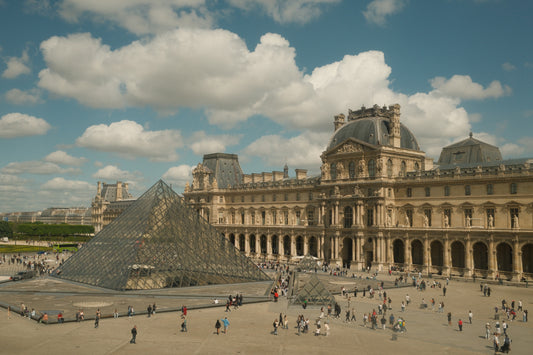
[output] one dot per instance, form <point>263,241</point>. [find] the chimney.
<point>301,174</point>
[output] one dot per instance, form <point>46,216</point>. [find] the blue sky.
<point>138,90</point>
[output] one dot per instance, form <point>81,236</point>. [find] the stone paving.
<point>250,330</point>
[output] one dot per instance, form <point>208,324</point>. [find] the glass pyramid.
<point>308,262</point>
<point>314,292</point>
<point>158,242</point>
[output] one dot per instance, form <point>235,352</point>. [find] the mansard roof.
<point>226,168</point>
<point>469,151</point>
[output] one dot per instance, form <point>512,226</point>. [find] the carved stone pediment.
<point>349,147</point>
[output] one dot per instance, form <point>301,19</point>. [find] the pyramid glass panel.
<point>314,292</point>
<point>159,242</point>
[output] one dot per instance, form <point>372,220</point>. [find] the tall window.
<point>372,168</point>
<point>417,167</point>
<point>389,168</point>
<point>351,170</point>
<point>298,218</point>
<point>446,191</point>
<point>348,217</point>
<point>274,197</point>
<point>242,217</point>
<point>220,217</point>
<point>253,217</point>
<point>253,198</point>
<point>409,192</point>
<point>310,196</point>
<point>286,217</point>
<point>262,198</point>
<point>297,196</point>
<point>428,191</point>
<point>333,171</point>
<point>232,217</point>
<point>370,217</point>
<point>490,189</point>
<point>403,168</point>
<point>311,217</point>
<point>263,217</point>
<point>467,190</point>
<point>513,188</point>
<point>274,217</point>
<point>286,197</point>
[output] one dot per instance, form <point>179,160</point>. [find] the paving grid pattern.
<point>251,325</point>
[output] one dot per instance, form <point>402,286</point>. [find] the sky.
<point>139,90</point>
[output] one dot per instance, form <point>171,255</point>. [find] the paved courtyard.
<point>250,330</point>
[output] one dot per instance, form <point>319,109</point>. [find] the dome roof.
<point>373,130</point>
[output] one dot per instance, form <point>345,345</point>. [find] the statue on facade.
<point>426,221</point>
<point>407,221</point>
<point>515,220</point>
<point>362,166</point>
<point>491,221</point>
<point>325,171</point>
<point>388,220</point>
<point>446,221</point>
<point>468,222</point>
<point>336,190</point>
<point>357,190</point>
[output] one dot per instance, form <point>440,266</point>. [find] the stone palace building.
<point>379,202</point>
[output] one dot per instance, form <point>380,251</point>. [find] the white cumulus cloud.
<point>112,172</point>
<point>36,167</point>
<point>140,16</point>
<point>178,176</point>
<point>130,140</point>
<point>62,184</point>
<point>294,11</point>
<point>201,143</point>
<point>462,87</point>
<point>20,97</point>
<point>508,66</point>
<point>62,158</point>
<point>16,124</point>
<point>377,11</point>
<point>16,66</point>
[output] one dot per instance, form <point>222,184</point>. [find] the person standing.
<point>460,323</point>
<point>470,315</point>
<point>487,330</point>
<point>149,310</point>
<point>225,321</point>
<point>504,326</point>
<point>217,326</point>
<point>449,318</point>
<point>97,318</point>
<point>524,316</point>
<point>275,325</point>
<point>133,334</point>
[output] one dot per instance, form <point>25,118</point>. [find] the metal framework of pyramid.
<point>308,262</point>
<point>314,292</point>
<point>159,242</point>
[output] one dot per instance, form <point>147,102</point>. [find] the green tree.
<point>5,229</point>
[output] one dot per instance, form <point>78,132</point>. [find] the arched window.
<point>417,167</point>
<point>351,170</point>
<point>389,168</point>
<point>372,168</point>
<point>333,171</point>
<point>403,168</point>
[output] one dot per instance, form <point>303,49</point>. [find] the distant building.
<point>52,215</point>
<point>379,202</point>
<point>109,202</point>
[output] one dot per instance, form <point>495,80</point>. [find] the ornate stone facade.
<point>379,202</point>
<point>110,201</point>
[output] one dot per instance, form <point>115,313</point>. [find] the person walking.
<point>444,291</point>
<point>149,310</point>
<point>275,325</point>
<point>460,323</point>
<point>133,334</point>
<point>487,330</point>
<point>449,318</point>
<point>217,326</point>
<point>470,315</point>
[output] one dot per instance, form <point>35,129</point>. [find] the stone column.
<point>269,245</point>
<point>293,245</point>
<point>354,215</point>
<point>336,213</point>
<point>468,256</point>
<point>492,258</point>
<point>427,254</point>
<point>447,261</point>
<point>319,241</point>
<point>517,260</point>
<point>246,244</point>
<point>258,244</point>
<point>306,244</point>
<point>354,250</point>
<point>321,214</point>
<point>407,254</point>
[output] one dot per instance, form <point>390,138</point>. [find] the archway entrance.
<point>417,252</point>
<point>252,243</point>
<point>313,246</point>
<point>458,254</point>
<point>368,250</point>
<point>299,246</point>
<point>346,252</point>
<point>527,258</point>
<point>398,251</point>
<point>504,255</point>
<point>263,244</point>
<point>275,243</point>
<point>241,242</point>
<point>286,245</point>
<point>232,239</point>
<point>437,253</point>
<point>481,256</point>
